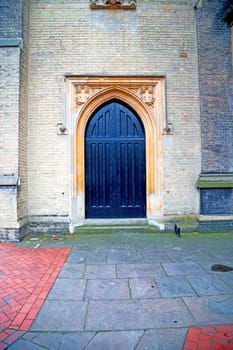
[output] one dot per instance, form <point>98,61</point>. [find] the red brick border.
<point>210,338</point>
<point>26,277</point>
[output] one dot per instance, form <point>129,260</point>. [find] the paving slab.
<point>176,254</point>
<point>211,310</point>
<point>223,252</point>
<point>49,340</point>
<point>183,268</point>
<point>163,339</point>
<point>60,315</point>
<point>154,255</point>
<point>115,340</point>
<point>67,289</point>
<point>143,288</point>
<point>23,344</point>
<point>139,314</point>
<point>53,341</point>
<point>60,340</point>
<point>107,289</point>
<point>72,270</point>
<point>204,254</point>
<point>227,278</point>
<point>87,256</point>
<point>77,341</point>
<point>173,287</point>
<point>121,256</point>
<point>139,270</point>
<point>100,271</point>
<point>208,285</point>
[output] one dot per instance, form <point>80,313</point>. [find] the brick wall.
<point>10,19</point>
<point>159,38</point>
<point>216,90</point>
<point>216,87</point>
<point>23,121</point>
<point>10,34</point>
<point>42,41</point>
<point>9,97</point>
<point>216,201</point>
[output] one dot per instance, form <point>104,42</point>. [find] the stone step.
<point>111,229</point>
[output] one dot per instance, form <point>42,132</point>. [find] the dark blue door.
<point>115,164</point>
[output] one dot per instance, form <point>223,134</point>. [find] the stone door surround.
<point>146,96</point>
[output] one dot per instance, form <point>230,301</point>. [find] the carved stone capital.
<point>113,4</point>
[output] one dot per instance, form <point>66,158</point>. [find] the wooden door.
<point>115,185</point>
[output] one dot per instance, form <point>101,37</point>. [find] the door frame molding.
<point>146,96</point>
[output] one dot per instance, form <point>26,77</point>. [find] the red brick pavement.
<point>210,338</point>
<point>26,277</point>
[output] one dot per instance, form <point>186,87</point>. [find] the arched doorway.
<point>115,165</point>
<point>144,96</point>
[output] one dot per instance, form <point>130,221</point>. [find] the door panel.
<point>115,164</point>
<point>132,178</point>
<point>99,168</point>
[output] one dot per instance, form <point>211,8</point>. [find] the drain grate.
<point>221,268</point>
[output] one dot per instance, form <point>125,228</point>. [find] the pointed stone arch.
<point>150,109</point>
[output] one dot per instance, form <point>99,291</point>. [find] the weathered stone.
<point>61,315</point>
<point>183,268</point>
<point>67,289</point>
<point>139,270</point>
<point>70,270</point>
<point>129,315</point>
<point>107,289</point>
<point>115,340</point>
<point>100,271</point>
<point>173,287</point>
<point>143,288</point>
<point>208,285</point>
<point>121,256</point>
<point>163,339</point>
<point>211,310</point>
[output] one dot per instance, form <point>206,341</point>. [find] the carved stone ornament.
<point>147,95</point>
<point>113,4</point>
<point>83,93</point>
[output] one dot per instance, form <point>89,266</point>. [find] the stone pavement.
<point>135,292</point>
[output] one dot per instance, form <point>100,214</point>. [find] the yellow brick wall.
<point>22,199</point>
<point>67,37</point>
